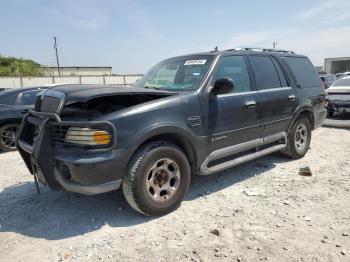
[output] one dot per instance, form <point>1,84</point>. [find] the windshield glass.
<point>182,73</point>
<point>342,82</point>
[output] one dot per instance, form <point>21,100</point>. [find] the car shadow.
<point>56,215</point>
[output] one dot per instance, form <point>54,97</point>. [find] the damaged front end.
<point>103,105</point>
<point>65,148</point>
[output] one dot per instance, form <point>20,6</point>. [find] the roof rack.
<point>261,49</point>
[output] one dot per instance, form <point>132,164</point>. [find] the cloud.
<point>94,15</point>
<point>318,44</point>
<point>330,11</point>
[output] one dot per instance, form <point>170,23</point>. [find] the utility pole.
<point>274,44</point>
<point>58,63</point>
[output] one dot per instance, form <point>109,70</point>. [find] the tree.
<point>11,66</point>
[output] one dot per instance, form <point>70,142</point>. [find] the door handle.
<point>291,97</point>
<point>250,104</point>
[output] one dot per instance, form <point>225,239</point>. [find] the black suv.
<point>193,114</point>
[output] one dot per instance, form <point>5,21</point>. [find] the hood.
<point>84,93</point>
<point>93,101</point>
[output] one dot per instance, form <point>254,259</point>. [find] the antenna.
<point>58,63</point>
<point>274,44</point>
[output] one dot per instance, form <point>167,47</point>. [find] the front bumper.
<point>85,171</point>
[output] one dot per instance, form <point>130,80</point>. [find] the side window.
<point>283,79</point>
<point>235,68</point>
<point>26,98</point>
<point>304,71</point>
<point>265,72</point>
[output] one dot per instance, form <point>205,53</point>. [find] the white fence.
<point>13,82</point>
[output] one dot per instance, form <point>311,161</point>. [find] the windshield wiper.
<point>153,87</point>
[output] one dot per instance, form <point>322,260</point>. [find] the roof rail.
<point>261,49</point>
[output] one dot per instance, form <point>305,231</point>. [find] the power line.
<point>58,63</point>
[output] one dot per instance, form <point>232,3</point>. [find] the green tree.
<point>12,66</point>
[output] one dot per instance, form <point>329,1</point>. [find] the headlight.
<point>87,136</point>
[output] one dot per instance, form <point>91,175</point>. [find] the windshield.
<point>183,73</point>
<point>342,82</point>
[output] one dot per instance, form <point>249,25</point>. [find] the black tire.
<point>330,113</point>
<point>157,166</point>
<point>8,134</point>
<point>302,124</point>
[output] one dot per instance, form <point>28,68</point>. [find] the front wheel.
<point>8,134</point>
<point>157,179</point>
<point>299,138</point>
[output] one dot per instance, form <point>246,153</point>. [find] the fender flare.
<point>300,110</point>
<point>168,129</point>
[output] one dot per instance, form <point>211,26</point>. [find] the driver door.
<point>233,118</point>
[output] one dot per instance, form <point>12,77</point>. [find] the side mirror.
<point>222,86</point>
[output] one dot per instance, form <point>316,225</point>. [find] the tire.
<point>157,179</point>
<point>299,139</point>
<point>8,134</point>
<point>330,113</point>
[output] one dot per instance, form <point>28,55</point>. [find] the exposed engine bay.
<point>106,104</point>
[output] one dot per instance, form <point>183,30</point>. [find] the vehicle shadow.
<point>56,215</point>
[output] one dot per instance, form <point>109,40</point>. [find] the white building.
<point>337,65</point>
<point>78,71</point>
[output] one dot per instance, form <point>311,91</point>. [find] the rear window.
<point>342,82</point>
<point>304,71</point>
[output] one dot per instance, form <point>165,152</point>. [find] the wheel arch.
<point>175,135</point>
<point>306,111</point>
<point>10,121</point>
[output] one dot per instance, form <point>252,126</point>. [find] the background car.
<point>341,75</point>
<point>339,96</point>
<point>14,104</point>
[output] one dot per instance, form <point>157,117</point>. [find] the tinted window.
<point>281,75</point>
<point>10,100</point>
<point>235,68</point>
<point>26,98</point>
<point>265,72</point>
<point>304,71</point>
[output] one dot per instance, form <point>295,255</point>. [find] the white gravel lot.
<point>288,218</point>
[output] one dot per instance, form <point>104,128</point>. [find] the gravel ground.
<point>262,210</point>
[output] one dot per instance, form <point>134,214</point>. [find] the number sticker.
<point>195,62</point>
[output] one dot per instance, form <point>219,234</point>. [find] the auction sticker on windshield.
<point>196,62</point>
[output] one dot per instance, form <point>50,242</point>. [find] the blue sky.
<point>132,35</point>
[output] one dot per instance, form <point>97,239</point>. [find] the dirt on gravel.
<point>260,211</point>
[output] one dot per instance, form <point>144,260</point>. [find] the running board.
<point>205,170</point>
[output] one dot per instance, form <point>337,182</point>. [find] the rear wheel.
<point>157,179</point>
<point>8,134</point>
<point>299,138</point>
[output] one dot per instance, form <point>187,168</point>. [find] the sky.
<point>133,35</point>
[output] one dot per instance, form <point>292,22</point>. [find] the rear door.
<point>233,117</point>
<point>277,97</point>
